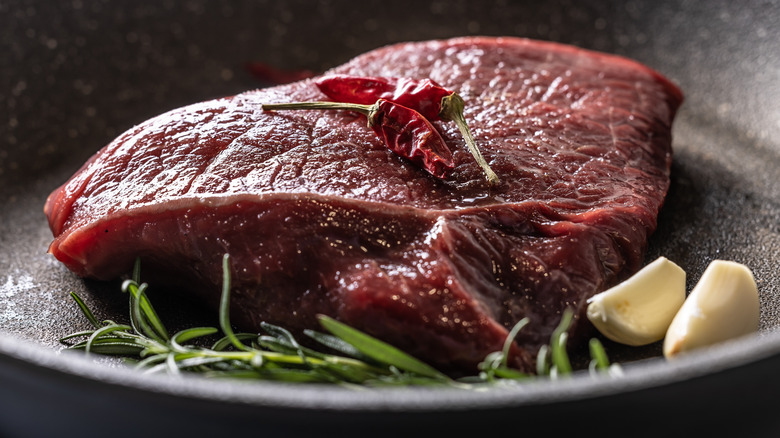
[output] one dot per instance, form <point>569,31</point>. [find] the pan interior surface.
<point>78,74</point>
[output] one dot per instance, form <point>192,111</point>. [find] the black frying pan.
<point>73,75</point>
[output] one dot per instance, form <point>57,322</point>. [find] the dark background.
<point>75,74</point>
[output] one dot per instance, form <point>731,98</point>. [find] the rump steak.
<point>320,218</point>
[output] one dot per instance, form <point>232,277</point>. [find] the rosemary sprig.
<point>275,354</point>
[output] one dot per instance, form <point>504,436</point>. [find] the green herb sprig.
<point>353,357</point>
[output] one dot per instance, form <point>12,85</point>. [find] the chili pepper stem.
<point>452,107</point>
<point>367,110</point>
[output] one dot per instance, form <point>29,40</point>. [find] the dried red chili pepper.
<point>427,97</point>
<point>403,130</point>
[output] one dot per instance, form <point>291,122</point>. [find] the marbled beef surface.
<point>319,217</point>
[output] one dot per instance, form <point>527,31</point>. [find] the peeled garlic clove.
<point>722,305</point>
<point>639,310</point>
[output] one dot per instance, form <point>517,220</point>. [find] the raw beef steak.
<point>319,217</point>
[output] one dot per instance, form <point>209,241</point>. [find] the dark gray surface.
<point>75,74</point>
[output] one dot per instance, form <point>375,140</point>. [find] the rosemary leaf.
<point>490,364</point>
<point>110,347</point>
<point>103,331</point>
<point>279,374</point>
<point>198,361</point>
<point>151,360</point>
<point>158,368</point>
<point>285,339</point>
<point>599,361</point>
<point>558,355</point>
<point>273,344</point>
<point>510,373</point>
<point>353,373</point>
<point>75,335</point>
<point>85,310</point>
<point>378,350</point>
<point>115,349</point>
<point>136,276</point>
<point>224,306</point>
<point>171,365</point>
<point>190,334</point>
<point>337,344</point>
<point>144,318</point>
<point>226,342</point>
<point>510,339</point>
<point>542,363</point>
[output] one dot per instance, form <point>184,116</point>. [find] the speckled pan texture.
<point>75,74</point>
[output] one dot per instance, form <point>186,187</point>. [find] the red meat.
<point>319,217</point>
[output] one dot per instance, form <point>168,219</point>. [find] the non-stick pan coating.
<point>75,74</point>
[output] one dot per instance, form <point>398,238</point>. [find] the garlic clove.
<point>639,310</point>
<point>723,305</point>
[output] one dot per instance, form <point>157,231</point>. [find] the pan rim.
<point>637,376</point>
